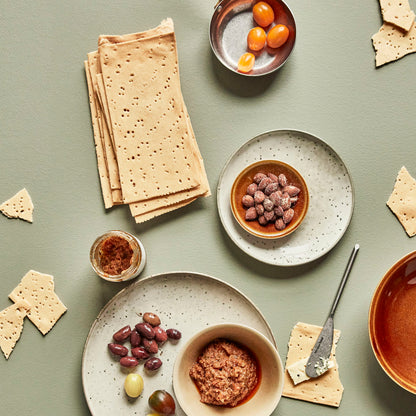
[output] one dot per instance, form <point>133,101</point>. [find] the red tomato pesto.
<point>226,374</point>
<point>115,255</point>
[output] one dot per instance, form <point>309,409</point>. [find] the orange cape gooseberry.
<point>263,14</point>
<point>256,39</point>
<point>277,36</point>
<point>246,62</point>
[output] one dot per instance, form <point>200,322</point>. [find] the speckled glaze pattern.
<point>183,300</point>
<point>330,189</point>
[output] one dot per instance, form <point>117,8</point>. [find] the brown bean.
<point>247,201</point>
<point>160,335</point>
<point>150,345</point>
<point>251,189</point>
<point>151,318</point>
<point>285,202</point>
<point>268,204</point>
<point>263,183</point>
<point>259,197</point>
<point>282,180</point>
<point>145,330</point>
<point>291,190</point>
<point>135,339</point>
<point>258,177</point>
<point>279,224</point>
<point>275,197</point>
<point>173,333</point>
<point>153,364</point>
<point>272,187</point>
<point>259,209</point>
<point>279,211</point>
<point>270,216</point>
<point>288,215</point>
<point>122,334</point>
<point>294,200</point>
<point>140,353</point>
<point>251,214</point>
<point>118,349</point>
<point>262,220</point>
<point>129,361</point>
<point>273,177</point>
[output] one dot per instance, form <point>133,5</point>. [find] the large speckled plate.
<point>183,300</point>
<point>330,190</point>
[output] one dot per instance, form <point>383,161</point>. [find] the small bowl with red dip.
<point>117,256</point>
<point>228,369</point>
<point>269,199</point>
<point>392,322</point>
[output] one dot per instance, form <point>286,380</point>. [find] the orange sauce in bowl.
<point>392,322</point>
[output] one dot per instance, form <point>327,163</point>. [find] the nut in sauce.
<point>117,256</point>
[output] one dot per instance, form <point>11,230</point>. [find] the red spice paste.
<point>115,255</point>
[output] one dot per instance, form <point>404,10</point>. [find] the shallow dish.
<point>331,197</point>
<point>183,300</point>
<point>230,24</point>
<point>245,178</point>
<point>392,322</point>
<point>266,395</point>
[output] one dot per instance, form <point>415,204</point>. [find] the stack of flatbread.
<point>146,150</point>
<point>397,36</point>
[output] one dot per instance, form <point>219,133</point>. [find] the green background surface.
<point>329,87</point>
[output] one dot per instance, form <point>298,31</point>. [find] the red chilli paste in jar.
<point>115,255</point>
<point>226,374</point>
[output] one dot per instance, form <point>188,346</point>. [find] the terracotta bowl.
<point>266,395</point>
<point>245,178</point>
<point>392,322</point>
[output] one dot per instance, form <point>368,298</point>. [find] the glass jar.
<point>117,256</point>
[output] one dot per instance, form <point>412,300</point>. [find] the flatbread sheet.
<point>326,389</point>
<point>153,146</point>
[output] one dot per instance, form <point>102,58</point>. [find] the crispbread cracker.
<point>19,206</point>
<point>45,306</point>
<point>326,389</point>
<point>398,13</point>
<point>151,138</point>
<point>102,167</point>
<point>11,325</point>
<point>391,44</point>
<point>402,201</point>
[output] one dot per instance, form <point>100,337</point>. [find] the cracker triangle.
<point>38,290</point>
<point>19,206</point>
<point>402,201</point>
<point>11,325</point>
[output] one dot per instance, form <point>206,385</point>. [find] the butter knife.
<point>317,363</point>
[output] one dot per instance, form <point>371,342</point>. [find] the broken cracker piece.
<point>297,370</point>
<point>38,290</point>
<point>402,201</point>
<point>326,389</point>
<point>19,206</point>
<point>11,325</point>
<point>398,13</point>
<point>391,44</point>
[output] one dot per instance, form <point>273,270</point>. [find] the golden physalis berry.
<point>277,36</point>
<point>263,14</point>
<point>246,62</point>
<point>256,39</point>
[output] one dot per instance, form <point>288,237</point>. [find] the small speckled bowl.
<point>268,391</point>
<point>245,178</point>
<point>392,323</point>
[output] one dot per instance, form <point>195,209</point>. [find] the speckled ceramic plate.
<point>330,190</point>
<point>183,300</point>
